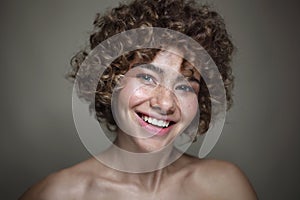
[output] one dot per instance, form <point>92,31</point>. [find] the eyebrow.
<point>194,79</point>
<point>151,67</point>
<point>161,71</point>
<point>189,79</point>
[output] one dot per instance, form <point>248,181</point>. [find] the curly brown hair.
<point>195,20</point>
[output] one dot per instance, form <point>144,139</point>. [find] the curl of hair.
<point>197,21</point>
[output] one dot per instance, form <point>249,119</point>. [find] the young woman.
<point>150,97</point>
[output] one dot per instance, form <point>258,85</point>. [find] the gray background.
<point>38,38</point>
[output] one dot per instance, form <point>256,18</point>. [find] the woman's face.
<point>155,103</point>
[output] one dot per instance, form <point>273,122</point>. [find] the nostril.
<point>163,101</point>
<point>163,110</point>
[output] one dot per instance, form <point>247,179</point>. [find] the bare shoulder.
<point>70,183</point>
<point>223,179</point>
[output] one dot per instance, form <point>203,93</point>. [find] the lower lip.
<point>153,129</point>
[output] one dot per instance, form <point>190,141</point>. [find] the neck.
<point>127,155</point>
<point>146,173</point>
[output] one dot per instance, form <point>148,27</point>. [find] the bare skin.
<point>187,178</point>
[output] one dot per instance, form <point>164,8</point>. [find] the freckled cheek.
<point>134,94</point>
<point>189,108</point>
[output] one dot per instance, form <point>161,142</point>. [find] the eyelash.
<point>147,78</point>
<point>185,88</point>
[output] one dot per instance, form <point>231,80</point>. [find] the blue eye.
<point>146,78</point>
<point>185,88</point>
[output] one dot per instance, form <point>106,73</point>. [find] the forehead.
<point>174,61</point>
<point>167,58</point>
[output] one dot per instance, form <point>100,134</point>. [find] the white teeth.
<point>155,122</point>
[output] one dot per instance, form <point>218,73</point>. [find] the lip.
<point>154,129</point>
<point>167,119</point>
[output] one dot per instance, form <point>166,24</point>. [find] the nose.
<point>163,101</point>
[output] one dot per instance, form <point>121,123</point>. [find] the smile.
<point>156,122</point>
<point>153,125</point>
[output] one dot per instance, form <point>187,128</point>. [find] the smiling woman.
<point>162,103</point>
<point>149,97</point>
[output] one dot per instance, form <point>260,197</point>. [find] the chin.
<point>150,144</point>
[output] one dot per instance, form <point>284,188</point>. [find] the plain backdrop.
<point>38,136</point>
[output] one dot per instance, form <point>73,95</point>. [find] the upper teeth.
<point>155,122</point>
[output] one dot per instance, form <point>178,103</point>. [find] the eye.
<point>146,78</point>
<point>185,88</point>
